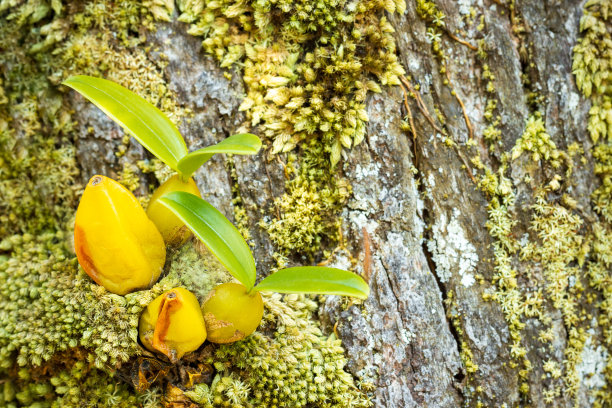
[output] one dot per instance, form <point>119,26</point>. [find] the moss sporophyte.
<point>123,250</point>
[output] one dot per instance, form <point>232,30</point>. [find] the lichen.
<point>452,251</point>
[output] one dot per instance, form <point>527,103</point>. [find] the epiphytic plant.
<point>160,136</point>
<point>174,323</point>
<point>233,311</point>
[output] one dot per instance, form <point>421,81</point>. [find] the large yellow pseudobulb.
<point>116,243</point>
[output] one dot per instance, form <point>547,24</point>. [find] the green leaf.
<point>315,279</point>
<point>139,118</point>
<point>216,232</point>
<point>243,143</point>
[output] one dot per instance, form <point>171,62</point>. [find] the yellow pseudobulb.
<point>173,230</point>
<point>231,313</point>
<point>172,324</point>
<point>115,242</point>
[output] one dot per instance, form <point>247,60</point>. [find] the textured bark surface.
<point>417,237</point>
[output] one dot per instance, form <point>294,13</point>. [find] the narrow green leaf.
<point>139,118</point>
<point>315,279</point>
<point>243,143</point>
<point>216,232</point>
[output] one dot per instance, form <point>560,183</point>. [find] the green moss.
<point>37,173</point>
<point>453,314</point>
<point>560,252</point>
<point>591,67</point>
<point>536,141</point>
<point>554,246</point>
<point>307,66</point>
<point>602,196</point>
<point>75,387</point>
<point>48,306</point>
<point>557,251</point>
<point>306,214</point>
<point>195,268</point>
<point>434,17</point>
<point>241,219</point>
<point>312,90</point>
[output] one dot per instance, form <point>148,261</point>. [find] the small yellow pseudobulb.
<point>172,324</point>
<point>231,313</point>
<point>115,242</point>
<point>173,230</point>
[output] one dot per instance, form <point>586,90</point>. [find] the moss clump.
<point>536,141</point>
<point>429,12</point>
<point>36,315</point>
<point>307,66</point>
<point>602,196</point>
<point>543,274</point>
<point>37,170</point>
<point>453,314</point>
<point>591,66</point>
<point>195,268</point>
<point>47,304</point>
<point>37,157</point>
<point>292,365</point>
<point>557,251</point>
<point>306,214</point>
<point>74,387</point>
